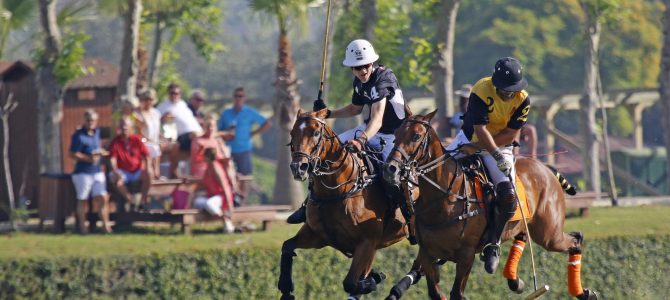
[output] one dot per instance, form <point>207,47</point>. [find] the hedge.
<point>618,268</point>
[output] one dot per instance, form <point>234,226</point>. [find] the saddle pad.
<point>521,193</point>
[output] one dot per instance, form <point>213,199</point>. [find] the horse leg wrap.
<point>574,273</point>
<point>285,284</point>
<point>367,286</point>
<point>513,260</point>
<point>401,287</point>
<point>377,276</point>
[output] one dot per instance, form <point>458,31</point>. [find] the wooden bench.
<point>264,214</point>
<point>583,200</point>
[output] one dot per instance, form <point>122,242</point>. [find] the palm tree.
<point>287,99</point>
<point>14,14</point>
<point>129,59</point>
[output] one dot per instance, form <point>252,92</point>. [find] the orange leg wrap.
<point>513,259</point>
<point>574,275</point>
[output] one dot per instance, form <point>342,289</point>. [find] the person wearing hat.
<point>456,121</point>
<point>498,107</point>
<point>374,86</point>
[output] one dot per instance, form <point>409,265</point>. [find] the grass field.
<point>603,222</point>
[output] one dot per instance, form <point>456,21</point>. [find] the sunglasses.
<point>507,94</point>
<point>358,68</point>
<point>175,93</point>
<point>239,96</point>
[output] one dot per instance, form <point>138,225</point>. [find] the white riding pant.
<point>490,163</point>
<point>374,141</point>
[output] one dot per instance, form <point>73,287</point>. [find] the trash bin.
<point>57,199</point>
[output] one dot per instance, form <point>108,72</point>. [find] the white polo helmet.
<point>359,53</point>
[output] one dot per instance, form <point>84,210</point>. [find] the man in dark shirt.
<point>88,178</point>
<point>374,86</point>
<point>195,104</point>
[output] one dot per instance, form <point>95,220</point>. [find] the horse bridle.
<point>410,168</point>
<point>313,158</point>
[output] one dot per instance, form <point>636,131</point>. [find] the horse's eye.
<point>317,134</point>
<point>416,137</point>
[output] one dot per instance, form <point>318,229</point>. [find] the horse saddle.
<point>473,167</point>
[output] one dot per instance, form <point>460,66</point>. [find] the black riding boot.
<point>298,216</point>
<point>507,204</point>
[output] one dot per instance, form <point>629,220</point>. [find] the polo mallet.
<point>325,52</point>
<point>538,292</point>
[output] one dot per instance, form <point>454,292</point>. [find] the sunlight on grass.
<point>148,240</point>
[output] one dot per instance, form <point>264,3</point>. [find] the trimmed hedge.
<point>618,268</point>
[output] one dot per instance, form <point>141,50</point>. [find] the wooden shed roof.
<point>100,73</point>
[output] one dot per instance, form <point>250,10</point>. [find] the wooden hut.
<point>96,90</point>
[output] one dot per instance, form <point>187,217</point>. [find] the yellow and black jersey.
<point>487,108</point>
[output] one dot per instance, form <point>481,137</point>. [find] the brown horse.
<point>450,224</point>
<point>347,208</point>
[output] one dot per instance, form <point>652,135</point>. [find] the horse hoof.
<point>391,297</point>
<point>516,286</point>
<point>354,297</point>
<point>588,295</point>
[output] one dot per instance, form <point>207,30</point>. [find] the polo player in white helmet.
<point>377,87</point>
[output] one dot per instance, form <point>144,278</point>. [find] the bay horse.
<point>450,224</point>
<point>347,207</point>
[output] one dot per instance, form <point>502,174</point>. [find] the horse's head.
<point>307,142</point>
<point>412,139</point>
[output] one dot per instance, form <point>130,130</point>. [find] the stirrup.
<point>496,250</point>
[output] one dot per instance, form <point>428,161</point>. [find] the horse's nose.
<point>392,173</point>
<point>299,170</point>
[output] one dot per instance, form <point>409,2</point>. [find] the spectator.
<point>129,159</point>
<point>88,178</point>
<point>219,195</point>
<point>149,123</point>
<point>175,110</point>
<point>209,139</point>
<point>241,119</point>
<point>456,121</point>
<point>195,104</point>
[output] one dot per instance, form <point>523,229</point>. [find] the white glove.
<point>504,165</point>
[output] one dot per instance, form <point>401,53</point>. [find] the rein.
<point>411,168</point>
<point>319,168</point>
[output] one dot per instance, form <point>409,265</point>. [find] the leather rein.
<point>412,169</point>
<point>319,167</point>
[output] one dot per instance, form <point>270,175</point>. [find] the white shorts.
<point>89,185</point>
<point>154,149</point>
<point>210,204</point>
<point>489,162</point>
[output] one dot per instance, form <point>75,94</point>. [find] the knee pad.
<point>506,197</point>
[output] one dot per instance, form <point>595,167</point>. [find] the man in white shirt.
<point>176,110</point>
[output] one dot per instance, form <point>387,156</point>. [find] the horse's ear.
<point>408,111</point>
<point>431,115</point>
<point>300,112</point>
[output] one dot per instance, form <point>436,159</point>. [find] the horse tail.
<point>567,187</point>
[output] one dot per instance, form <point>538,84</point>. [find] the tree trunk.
<point>664,83</point>
<point>129,64</point>
<point>587,103</point>
<point>5,111</point>
<point>49,93</point>
<point>443,73</point>
<point>287,190</point>
<point>156,51</point>
<point>369,20</point>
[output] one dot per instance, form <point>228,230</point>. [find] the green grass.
<point>603,222</point>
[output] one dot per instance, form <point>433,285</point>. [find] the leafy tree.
<point>14,14</point>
